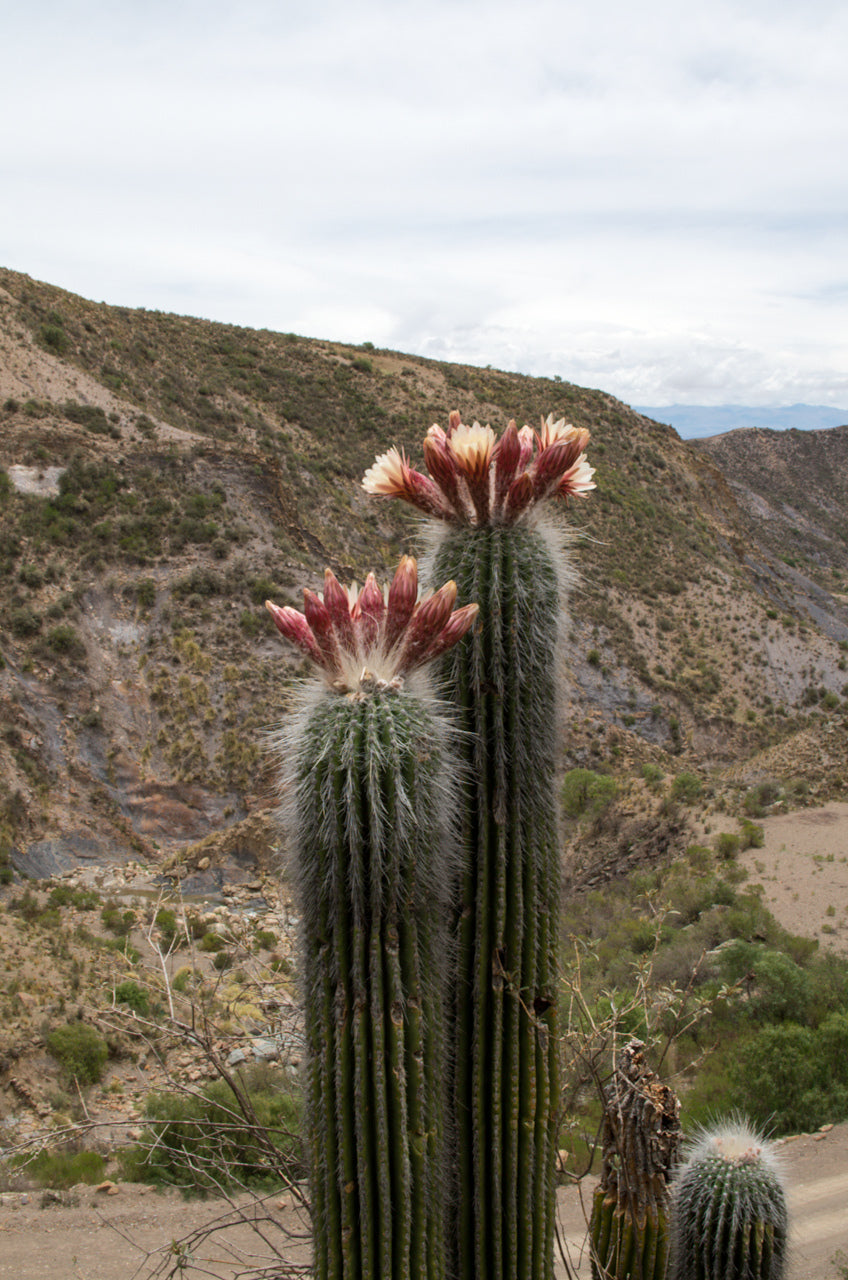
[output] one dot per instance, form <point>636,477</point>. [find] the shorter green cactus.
<point>729,1216</point>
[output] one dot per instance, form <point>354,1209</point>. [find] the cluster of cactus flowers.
<point>356,637</point>
<point>373,777</point>
<point>429,881</point>
<point>485,495</point>
<point>477,479</point>
<point>369,810</point>
<point>730,1218</point>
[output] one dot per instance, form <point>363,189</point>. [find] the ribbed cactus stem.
<point>370,789</point>
<point>502,679</point>
<point>730,1219</point>
<point>370,831</point>
<point>629,1228</point>
<point>486,491</point>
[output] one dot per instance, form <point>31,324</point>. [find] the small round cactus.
<point>729,1216</point>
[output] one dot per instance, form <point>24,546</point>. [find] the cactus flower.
<point>477,479</point>
<point>361,638</point>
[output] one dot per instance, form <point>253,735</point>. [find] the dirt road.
<point>109,1236</point>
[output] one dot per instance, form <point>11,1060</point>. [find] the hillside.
<point>162,475</point>
<point>792,490</point>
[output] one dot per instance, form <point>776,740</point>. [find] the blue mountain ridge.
<point>692,421</point>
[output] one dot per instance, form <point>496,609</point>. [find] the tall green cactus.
<point>369,810</point>
<point>730,1220</point>
<point>503,680</point>
<point>629,1227</point>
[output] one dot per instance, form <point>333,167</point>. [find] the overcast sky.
<point>647,198</point>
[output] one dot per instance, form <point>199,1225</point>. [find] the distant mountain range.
<point>695,420</point>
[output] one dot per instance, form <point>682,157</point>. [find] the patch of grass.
<point>60,1169</point>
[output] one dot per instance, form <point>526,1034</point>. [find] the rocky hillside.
<point>792,488</point>
<point>160,476</point>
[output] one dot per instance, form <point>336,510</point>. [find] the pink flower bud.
<point>527,440</point>
<point>519,498</point>
<point>441,466</point>
<point>403,595</point>
<point>552,463</point>
<point>295,628</point>
<point>454,629</point>
<point>507,453</point>
<point>429,618</point>
<point>321,625</point>
<point>371,610</point>
<point>337,605</point>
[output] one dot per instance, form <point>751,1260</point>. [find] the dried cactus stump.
<point>370,799</point>
<point>629,1227</point>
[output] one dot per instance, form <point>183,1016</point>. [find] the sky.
<point>649,199</point>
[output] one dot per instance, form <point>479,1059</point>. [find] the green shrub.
<point>23,622</point>
<point>727,845</point>
<point>166,922</point>
<point>212,942</point>
<point>203,1142</point>
<point>54,338</point>
<point>751,835</point>
<point>653,775</point>
<point>117,921</point>
<point>80,1051</point>
<point>90,416</point>
<point>63,640</point>
<point>31,576</point>
<point>780,1078</point>
<point>687,788</point>
<point>131,994</point>
<point>759,798</point>
<point>145,593</point>
<point>586,794</point>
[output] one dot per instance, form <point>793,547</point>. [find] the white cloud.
<point>645,198</point>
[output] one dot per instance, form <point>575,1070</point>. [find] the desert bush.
<point>134,996</point>
<point>31,576</point>
<point>779,1077</point>
<point>145,593</point>
<point>687,788</point>
<point>80,1051</point>
<point>727,845</point>
<point>653,775</point>
<point>117,921</point>
<point>751,835</point>
<point>64,641</point>
<point>54,338</point>
<point>586,794</point>
<point>166,922</point>
<point>203,1142</point>
<point>23,622</point>
<point>760,797</point>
